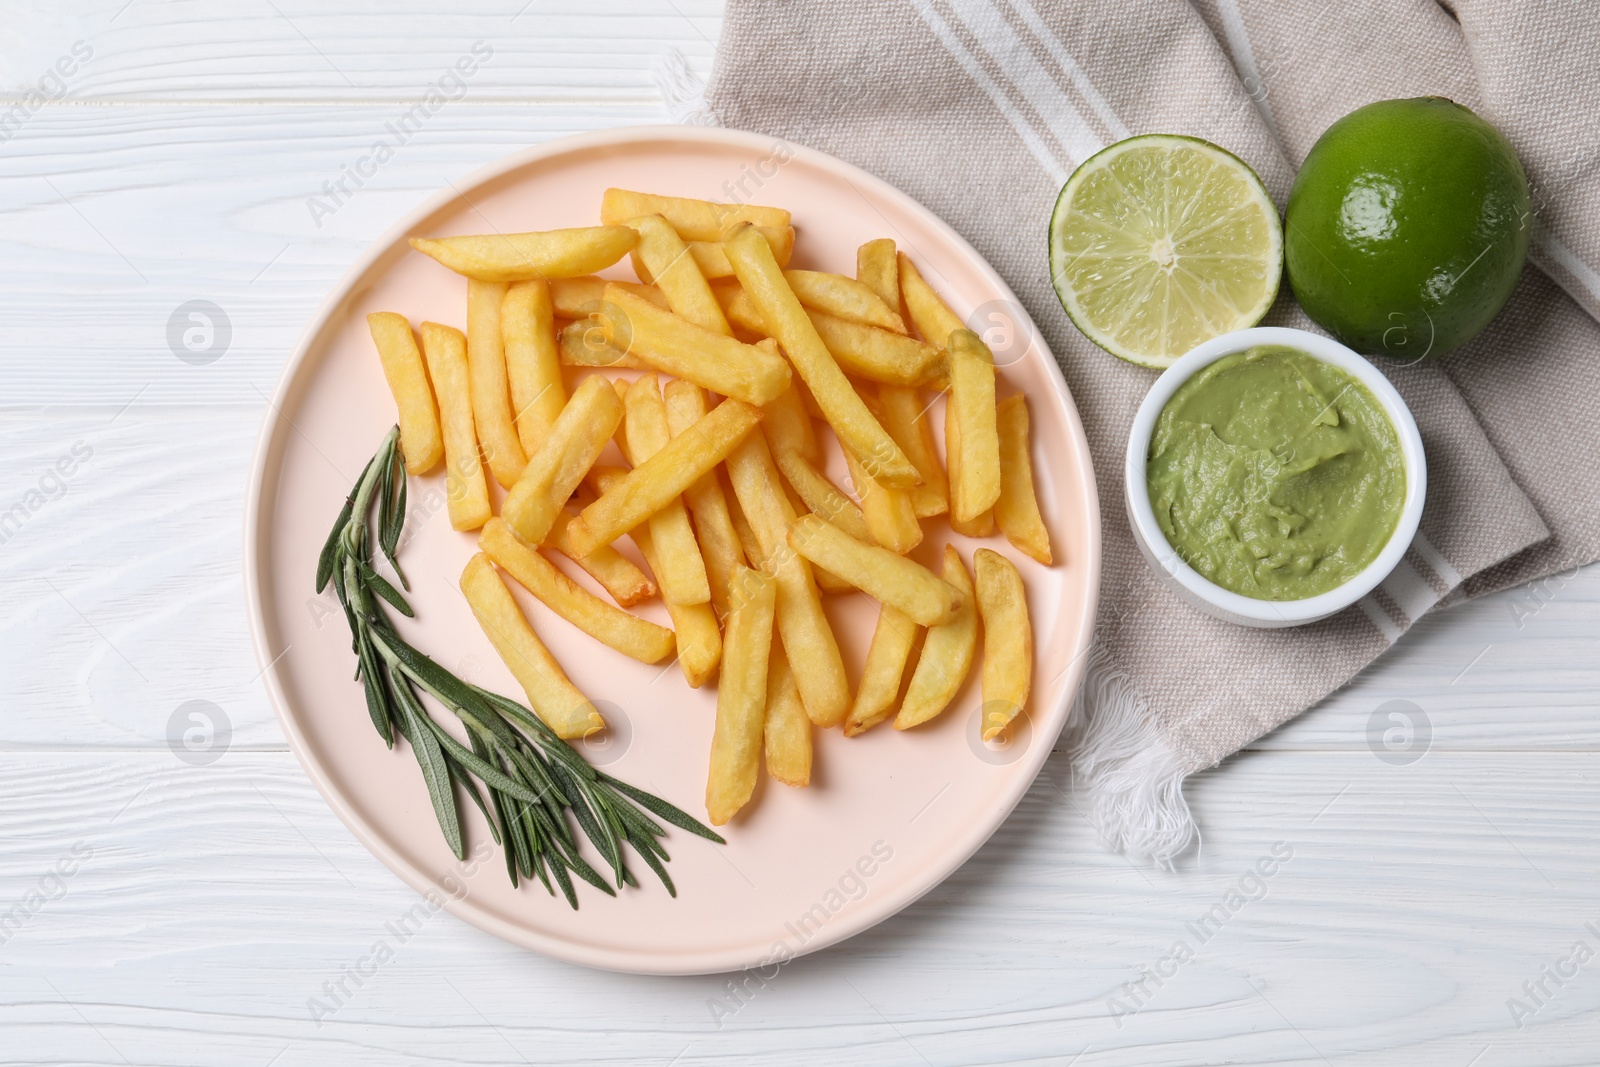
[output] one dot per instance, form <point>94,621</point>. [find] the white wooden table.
<point>207,905</point>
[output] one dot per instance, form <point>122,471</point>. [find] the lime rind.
<point>1161,242</point>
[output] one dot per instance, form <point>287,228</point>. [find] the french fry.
<point>886,664</point>
<point>662,257</point>
<point>983,524</point>
<point>843,298</point>
<point>651,493</point>
<point>821,496</point>
<point>684,350</point>
<point>788,425</point>
<point>807,638</point>
<point>890,579</point>
<point>712,258</point>
<point>975,475</point>
<point>858,431</point>
<point>491,393</point>
<point>891,517</point>
<point>533,365</point>
<point>947,654</point>
<point>1017,509</point>
<point>627,584</point>
<point>575,442</point>
<point>694,625</point>
<point>878,270</point>
<point>578,298</point>
<point>736,742</point>
<point>663,476</point>
<point>929,313</point>
<point>905,416</point>
<point>521,257</point>
<point>741,525</point>
<point>865,351</point>
<point>708,507</point>
<point>695,220</point>
<point>583,344</point>
<point>628,634</point>
<point>1007,640</point>
<point>787,735</point>
<point>420,440</point>
<point>554,698</point>
<point>466,488</point>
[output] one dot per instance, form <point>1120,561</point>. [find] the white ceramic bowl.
<point>1202,592</point>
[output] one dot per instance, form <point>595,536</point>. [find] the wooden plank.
<point>1365,947</point>
<point>292,50</point>
<point>119,215</point>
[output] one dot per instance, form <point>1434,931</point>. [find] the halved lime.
<point>1161,242</point>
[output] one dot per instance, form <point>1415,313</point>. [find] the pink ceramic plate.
<point>887,816</point>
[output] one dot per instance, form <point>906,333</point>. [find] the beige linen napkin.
<point>981,109</point>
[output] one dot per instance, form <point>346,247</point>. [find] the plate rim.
<point>257,510</point>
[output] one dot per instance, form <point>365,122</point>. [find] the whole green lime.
<point>1407,227</point>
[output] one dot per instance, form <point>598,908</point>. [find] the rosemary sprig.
<point>533,778</point>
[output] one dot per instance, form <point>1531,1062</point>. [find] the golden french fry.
<point>787,735</point>
<point>905,416</point>
<point>695,220</point>
<point>880,680</point>
<point>843,298</point>
<point>982,525</point>
<point>878,270</point>
<point>736,741</point>
<point>521,257</point>
<point>788,425</point>
<point>708,507</point>
<point>736,304</point>
<point>891,518</point>
<point>575,442</point>
<point>662,257</point>
<point>554,698</point>
<point>712,258</point>
<point>533,366</point>
<point>466,489</point>
<point>822,496</point>
<point>1017,509</point>
<point>1007,640</point>
<point>578,298</point>
<point>865,351</point>
<point>420,440</point>
<point>491,393</point>
<point>628,634</point>
<point>947,654</point>
<point>931,315</point>
<point>694,625</point>
<point>890,579</point>
<point>663,476</point>
<point>858,431</point>
<point>680,571</point>
<point>977,485</point>
<point>807,638</point>
<point>627,584</point>
<point>583,344</point>
<point>684,350</point>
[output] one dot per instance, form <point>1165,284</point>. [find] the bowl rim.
<point>1237,606</point>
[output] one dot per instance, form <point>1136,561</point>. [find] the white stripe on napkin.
<point>1035,144</point>
<point>1244,61</point>
<point>1080,80</point>
<point>1011,56</point>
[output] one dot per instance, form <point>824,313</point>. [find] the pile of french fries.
<point>721,485</point>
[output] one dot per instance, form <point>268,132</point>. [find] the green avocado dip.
<point>1275,475</point>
